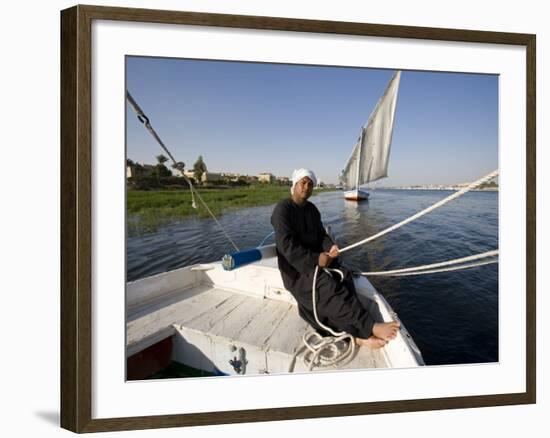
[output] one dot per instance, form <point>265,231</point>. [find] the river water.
<point>452,316</point>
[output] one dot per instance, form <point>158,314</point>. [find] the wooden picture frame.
<point>76,217</point>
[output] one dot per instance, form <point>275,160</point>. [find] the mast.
<point>359,160</point>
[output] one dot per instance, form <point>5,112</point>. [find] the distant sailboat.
<point>369,159</point>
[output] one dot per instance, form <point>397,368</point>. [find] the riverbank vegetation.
<point>149,209</point>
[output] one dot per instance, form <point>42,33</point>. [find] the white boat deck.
<point>244,316</point>
<point>210,317</point>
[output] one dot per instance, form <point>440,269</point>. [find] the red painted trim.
<point>147,362</point>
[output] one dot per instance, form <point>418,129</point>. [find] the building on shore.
<point>283,180</point>
<point>266,177</point>
<point>232,176</point>
<point>139,170</point>
<point>211,177</point>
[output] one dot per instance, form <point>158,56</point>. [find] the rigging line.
<point>433,271</point>
<point>491,253</point>
<point>213,217</point>
<point>265,239</point>
<point>176,164</point>
<point>145,120</point>
<point>425,211</point>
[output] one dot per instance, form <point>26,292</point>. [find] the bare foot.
<point>386,330</point>
<point>372,342</point>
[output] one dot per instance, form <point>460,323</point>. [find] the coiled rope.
<point>323,352</point>
<point>326,351</point>
<point>179,165</point>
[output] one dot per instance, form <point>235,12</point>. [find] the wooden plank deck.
<point>146,323</point>
<point>211,323</point>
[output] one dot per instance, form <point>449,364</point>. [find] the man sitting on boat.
<point>302,244</point>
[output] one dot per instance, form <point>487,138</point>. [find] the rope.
<point>425,211</point>
<point>405,271</point>
<point>212,214</point>
<point>452,268</point>
<point>324,351</point>
<point>265,238</point>
<point>179,165</point>
<point>145,120</point>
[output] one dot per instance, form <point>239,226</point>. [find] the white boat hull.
<point>241,321</point>
<point>356,195</point>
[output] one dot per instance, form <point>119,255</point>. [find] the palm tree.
<point>199,168</point>
<point>161,159</point>
<point>161,169</point>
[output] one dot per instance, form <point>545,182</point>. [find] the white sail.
<point>370,156</point>
<point>349,175</point>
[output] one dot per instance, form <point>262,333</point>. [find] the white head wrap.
<point>298,174</point>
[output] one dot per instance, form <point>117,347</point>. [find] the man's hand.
<point>324,260</point>
<point>334,251</point>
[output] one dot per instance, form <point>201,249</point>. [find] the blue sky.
<point>256,117</point>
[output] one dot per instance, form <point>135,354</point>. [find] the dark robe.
<point>300,237</point>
